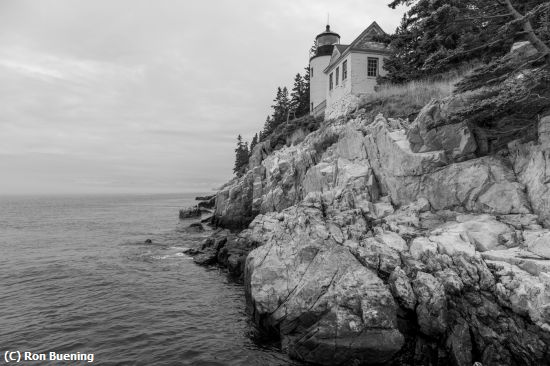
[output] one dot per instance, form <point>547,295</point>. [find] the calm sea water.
<point>76,276</point>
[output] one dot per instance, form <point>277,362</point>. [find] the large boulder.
<point>326,306</point>
<point>485,184</point>
<point>433,130</point>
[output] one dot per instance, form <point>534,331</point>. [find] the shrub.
<point>279,136</point>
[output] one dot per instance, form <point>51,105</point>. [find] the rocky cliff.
<point>381,241</point>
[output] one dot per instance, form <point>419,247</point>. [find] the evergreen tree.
<point>281,107</point>
<point>296,96</point>
<point>253,143</point>
<point>438,35</point>
<point>260,136</point>
<point>241,157</point>
<point>237,165</point>
<point>245,154</point>
<point>306,101</point>
<point>268,128</point>
<point>299,101</point>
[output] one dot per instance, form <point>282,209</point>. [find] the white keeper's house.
<point>340,74</point>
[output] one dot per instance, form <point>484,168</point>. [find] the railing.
<point>320,109</point>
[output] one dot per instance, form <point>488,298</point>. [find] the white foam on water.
<point>178,248</point>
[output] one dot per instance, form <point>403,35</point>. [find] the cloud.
<point>148,95</point>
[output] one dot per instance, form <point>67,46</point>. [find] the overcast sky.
<point>148,95</point>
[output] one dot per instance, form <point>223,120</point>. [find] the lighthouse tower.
<point>319,60</point>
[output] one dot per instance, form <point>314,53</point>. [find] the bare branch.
<point>528,28</point>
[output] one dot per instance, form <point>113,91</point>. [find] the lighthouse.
<point>319,60</point>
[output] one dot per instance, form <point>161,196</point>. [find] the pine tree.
<point>268,128</point>
<point>238,155</point>
<point>306,101</point>
<point>299,102</point>
<point>437,35</point>
<point>281,107</point>
<point>297,96</point>
<point>253,143</point>
<point>245,153</point>
<point>241,157</point>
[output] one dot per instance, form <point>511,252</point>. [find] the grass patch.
<point>406,100</point>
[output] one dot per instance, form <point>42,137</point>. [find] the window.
<point>337,75</point>
<point>345,70</point>
<point>330,82</point>
<point>311,69</point>
<point>372,67</point>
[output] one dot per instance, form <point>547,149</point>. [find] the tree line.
<point>286,107</point>
<point>436,36</point>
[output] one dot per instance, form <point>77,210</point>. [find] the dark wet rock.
<point>148,241</point>
<point>196,226</point>
<point>206,257</point>
<point>224,249</point>
<point>191,251</point>
<point>205,198</point>
<point>208,202</point>
<point>459,344</point>
<point>208,219</point>
<point>190,213</point>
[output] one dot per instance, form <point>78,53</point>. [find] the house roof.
<point>363,43</point>
<point>341,47</point>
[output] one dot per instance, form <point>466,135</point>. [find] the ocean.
<point>77,278</point>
